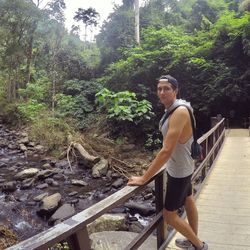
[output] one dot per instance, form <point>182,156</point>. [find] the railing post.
<point>159,207</point>
<point>79,240</point>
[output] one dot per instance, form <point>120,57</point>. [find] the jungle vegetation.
<point>55,83</point>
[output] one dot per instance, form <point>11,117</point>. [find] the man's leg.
<point>180,225</point>
<point>192,213</point>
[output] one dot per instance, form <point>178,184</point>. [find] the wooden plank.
<point>80,240</point>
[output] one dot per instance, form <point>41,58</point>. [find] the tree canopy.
<point>46,70</point>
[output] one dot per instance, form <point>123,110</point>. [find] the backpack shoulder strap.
<point>167,114</point>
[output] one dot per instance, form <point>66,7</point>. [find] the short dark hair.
<point>171,80</point>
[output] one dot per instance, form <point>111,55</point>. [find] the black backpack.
<point>196,149</point>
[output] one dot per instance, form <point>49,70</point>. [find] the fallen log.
<point>86,156</point>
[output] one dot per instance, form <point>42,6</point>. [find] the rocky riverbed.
<point>38,191</point>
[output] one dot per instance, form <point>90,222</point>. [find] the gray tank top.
<point>180,164</point>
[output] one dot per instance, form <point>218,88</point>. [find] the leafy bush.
<point>39,90</point>
<point>123,106</point>
<point>31,109</point>
<point>78,101</point>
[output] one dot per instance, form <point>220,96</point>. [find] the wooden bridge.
<point>224,202</point>
<point>221,181</point>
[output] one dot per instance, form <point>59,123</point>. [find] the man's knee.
<point>189,201</point>
<point>169,216</point>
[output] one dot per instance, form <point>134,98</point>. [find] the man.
<point>176,155</point>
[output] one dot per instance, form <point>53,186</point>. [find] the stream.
<point>19,210</point>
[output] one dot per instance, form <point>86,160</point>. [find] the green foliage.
<point>34,91</point>
<point>31,109</point>
<point>205,44</point>
<point>65,105</point>
<point>153,142</point>
<point>123,106</point>
<point>81,100</point>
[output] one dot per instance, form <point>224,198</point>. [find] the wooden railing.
<point>74,230</point>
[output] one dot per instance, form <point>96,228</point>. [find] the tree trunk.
<point>29,60</point>
<point>86,156</point>
<point>85,36</point>
<point>137,22</point>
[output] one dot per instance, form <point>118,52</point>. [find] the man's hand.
<point>136,181</point>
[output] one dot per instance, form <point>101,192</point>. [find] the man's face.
<point>166,93</point>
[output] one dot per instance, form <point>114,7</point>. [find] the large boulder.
<point>62,213</point>
<point>117,240</point>
<point>100,168</point>
<point>49,204</point>
<point>107,222</point>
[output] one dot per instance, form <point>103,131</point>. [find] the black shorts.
<point>178,189</point>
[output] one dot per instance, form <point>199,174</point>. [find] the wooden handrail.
<point>74,229</point>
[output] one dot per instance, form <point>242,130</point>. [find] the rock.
<point>136,227</point>
<point>27,173</point>
<point>24,134</point>
<point>2,180</point>
<point>62,213</point>
<point>42,186</point>
<point>115,175</point>
<point>12,146</point>
<point>60,177</point>
<point>32,144</point>
<point>39,148</point>
<point>118,183</point>
<point>62,164</point>
<point>31,203</point>
<point>2,164</point>
<point>55,184</point>
<point>43,174</point>
<point>106,189</point>
<point>49,181</point>
<point>24,140</point>
<point>107,222</point>
<point>22,198</point>
<point>40,196</point>
<point>27,183</point>
<point>49,204</point>
<point>22,147</point>
<point>112,240</point>
<point>145,209</point>
<point>74,201</point>
<point>100,168</point>
<point>9,186</point>
<point>118,210</point>
<point>78,183</point>
<point>109,174</point>
<point>46,166</point>
<point>73,193</point>
<point>148,196</point>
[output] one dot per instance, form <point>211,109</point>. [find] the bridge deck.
<point>224,202</point>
